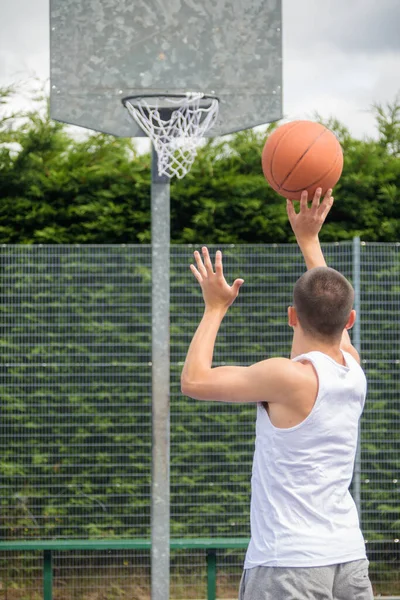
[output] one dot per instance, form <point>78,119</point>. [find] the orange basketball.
<point>302,155</point>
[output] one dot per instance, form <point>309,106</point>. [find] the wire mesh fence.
<point>380,434</point>
<point>75,456</point>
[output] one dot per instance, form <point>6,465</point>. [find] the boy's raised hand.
<point>217,293</point>
<point>307,222</point>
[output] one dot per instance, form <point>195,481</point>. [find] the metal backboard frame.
<point>103,50</point>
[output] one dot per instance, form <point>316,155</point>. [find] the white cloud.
<point>24,39</point>
<point>331,65</point>
<point>365,26</point>
<point>340,56</point>
<point>342,88</point>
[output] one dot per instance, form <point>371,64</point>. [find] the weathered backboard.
<point>104,50</point>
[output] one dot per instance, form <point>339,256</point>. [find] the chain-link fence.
<point>75,405</point>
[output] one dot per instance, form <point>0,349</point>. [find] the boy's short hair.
<point>323,299</point>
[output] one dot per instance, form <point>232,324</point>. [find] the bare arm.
<point>273,380</point>
<point>306,226</point>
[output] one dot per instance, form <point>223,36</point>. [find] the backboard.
<point>104,50</point>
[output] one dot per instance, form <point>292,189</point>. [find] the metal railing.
<point>209,545</point>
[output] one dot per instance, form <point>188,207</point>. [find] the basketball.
<point>302,155</point>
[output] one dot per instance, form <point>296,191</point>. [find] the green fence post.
<point>47,575</point>
<point>211,574</point>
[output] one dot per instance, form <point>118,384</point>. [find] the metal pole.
<point>357,344</point>
<point>47,575</point>
<point>211,574</point>
<point>160,496</point>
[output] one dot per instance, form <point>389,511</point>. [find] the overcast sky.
<point>340,56</point>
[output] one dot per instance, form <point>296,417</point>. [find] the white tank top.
<point>302,513</point>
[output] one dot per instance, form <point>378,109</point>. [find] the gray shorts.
<point>347,581</point>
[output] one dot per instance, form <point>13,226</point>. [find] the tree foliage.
<point>60,188</point>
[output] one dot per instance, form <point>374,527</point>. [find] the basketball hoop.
<point>175,124</point>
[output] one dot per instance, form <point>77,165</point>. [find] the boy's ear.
<point>292,316</point>
<point>351,320</point>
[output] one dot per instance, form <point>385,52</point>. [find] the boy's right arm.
<point>306,226</point>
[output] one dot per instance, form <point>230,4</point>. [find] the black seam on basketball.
<point>273,154</point>
<point>338,153</point>
<point>301,157</point>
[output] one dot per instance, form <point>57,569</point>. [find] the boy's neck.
<point>302,345</point>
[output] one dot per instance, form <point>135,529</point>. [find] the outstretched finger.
<point>200,267</point>
<point>237,284</point>
<point>327,195</point>
<point>316,199</point>
<point>290,210</point>
<point>326,201</point>
<point>218,264</point>
<point>303,201</point>
<point>207,260</point>
<point>326,206</point>
<point>196,273</point>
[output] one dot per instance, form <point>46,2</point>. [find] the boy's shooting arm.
<point>306,226</point>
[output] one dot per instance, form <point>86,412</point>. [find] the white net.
<point>175,126</point>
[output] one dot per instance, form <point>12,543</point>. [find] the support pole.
<point>211,573</point>
<point>160,497</point>
<point>47,575</point>
<point>357,344</point>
